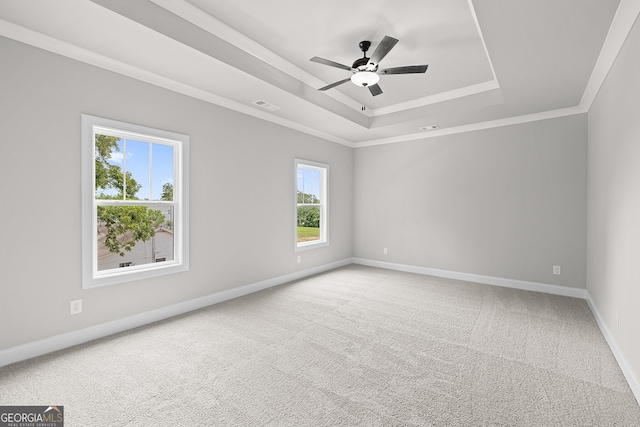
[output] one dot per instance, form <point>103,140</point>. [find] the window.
<point>134,198</point>
<point>311,204</point>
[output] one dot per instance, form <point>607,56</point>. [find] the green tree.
<point>125,225</point>
<point>110,176</point>
<point>308,216</point>
<point>167,192</point>
<point>307,198</point>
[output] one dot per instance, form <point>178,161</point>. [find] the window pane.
<point>137,166</point>
<point>300,185</point>
<point>133,235</point>
<point>162,172</point>
<point>314,187</point>
<point>108,167</point>
<point>308,186</point>
<point>308,223</point>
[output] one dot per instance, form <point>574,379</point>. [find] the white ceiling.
<point>490,61</point>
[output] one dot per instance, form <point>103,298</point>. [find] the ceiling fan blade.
<point>330,63</point>
<point>383,48</point>
<point>375,89</point>
<point>335,84</point>
<point>409,69</point>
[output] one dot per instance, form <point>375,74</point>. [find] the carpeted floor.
<point>353,346</point>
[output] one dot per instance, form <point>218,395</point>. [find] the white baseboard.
<point>488,280</point>
<point>69,339</point>
<point>629,374</point>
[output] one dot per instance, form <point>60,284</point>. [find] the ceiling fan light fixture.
<point>365,78</point>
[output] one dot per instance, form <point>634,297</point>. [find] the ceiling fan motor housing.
<point>362,64</point>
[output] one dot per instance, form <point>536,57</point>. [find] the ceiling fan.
<point>365,70</point>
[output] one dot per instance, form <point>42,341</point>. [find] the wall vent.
<point>432,127</point>
<point>266,105</point>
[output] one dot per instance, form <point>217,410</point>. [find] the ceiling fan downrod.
<point>360,63</point>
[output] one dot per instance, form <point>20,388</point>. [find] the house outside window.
<point>311,196</point>
<point>135,202</point>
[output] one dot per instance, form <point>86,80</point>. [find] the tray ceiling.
<point>489,60</point>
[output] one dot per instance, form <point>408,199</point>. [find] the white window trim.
<point>324,214</point>
<point>90,276</point>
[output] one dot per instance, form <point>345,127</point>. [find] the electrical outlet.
<point>557,270</point>
<point>385,251</point>
<point>299,258</point>
<point>76,306</point>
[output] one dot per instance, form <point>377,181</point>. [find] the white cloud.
<point>116,157</point>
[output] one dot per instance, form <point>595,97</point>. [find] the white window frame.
<point>324,204</point>
<point>91,276</point>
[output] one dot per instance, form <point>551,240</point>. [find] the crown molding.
<point>545,115</point>
<point>623,22</point>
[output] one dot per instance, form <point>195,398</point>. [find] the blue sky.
<point>309,181</point>
<point>138,154</point>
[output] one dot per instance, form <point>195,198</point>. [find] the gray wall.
<point>614,201</point>
<point>241,214</point>
<point>508,202</point>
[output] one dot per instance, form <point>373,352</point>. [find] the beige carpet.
<point>354,346</point>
